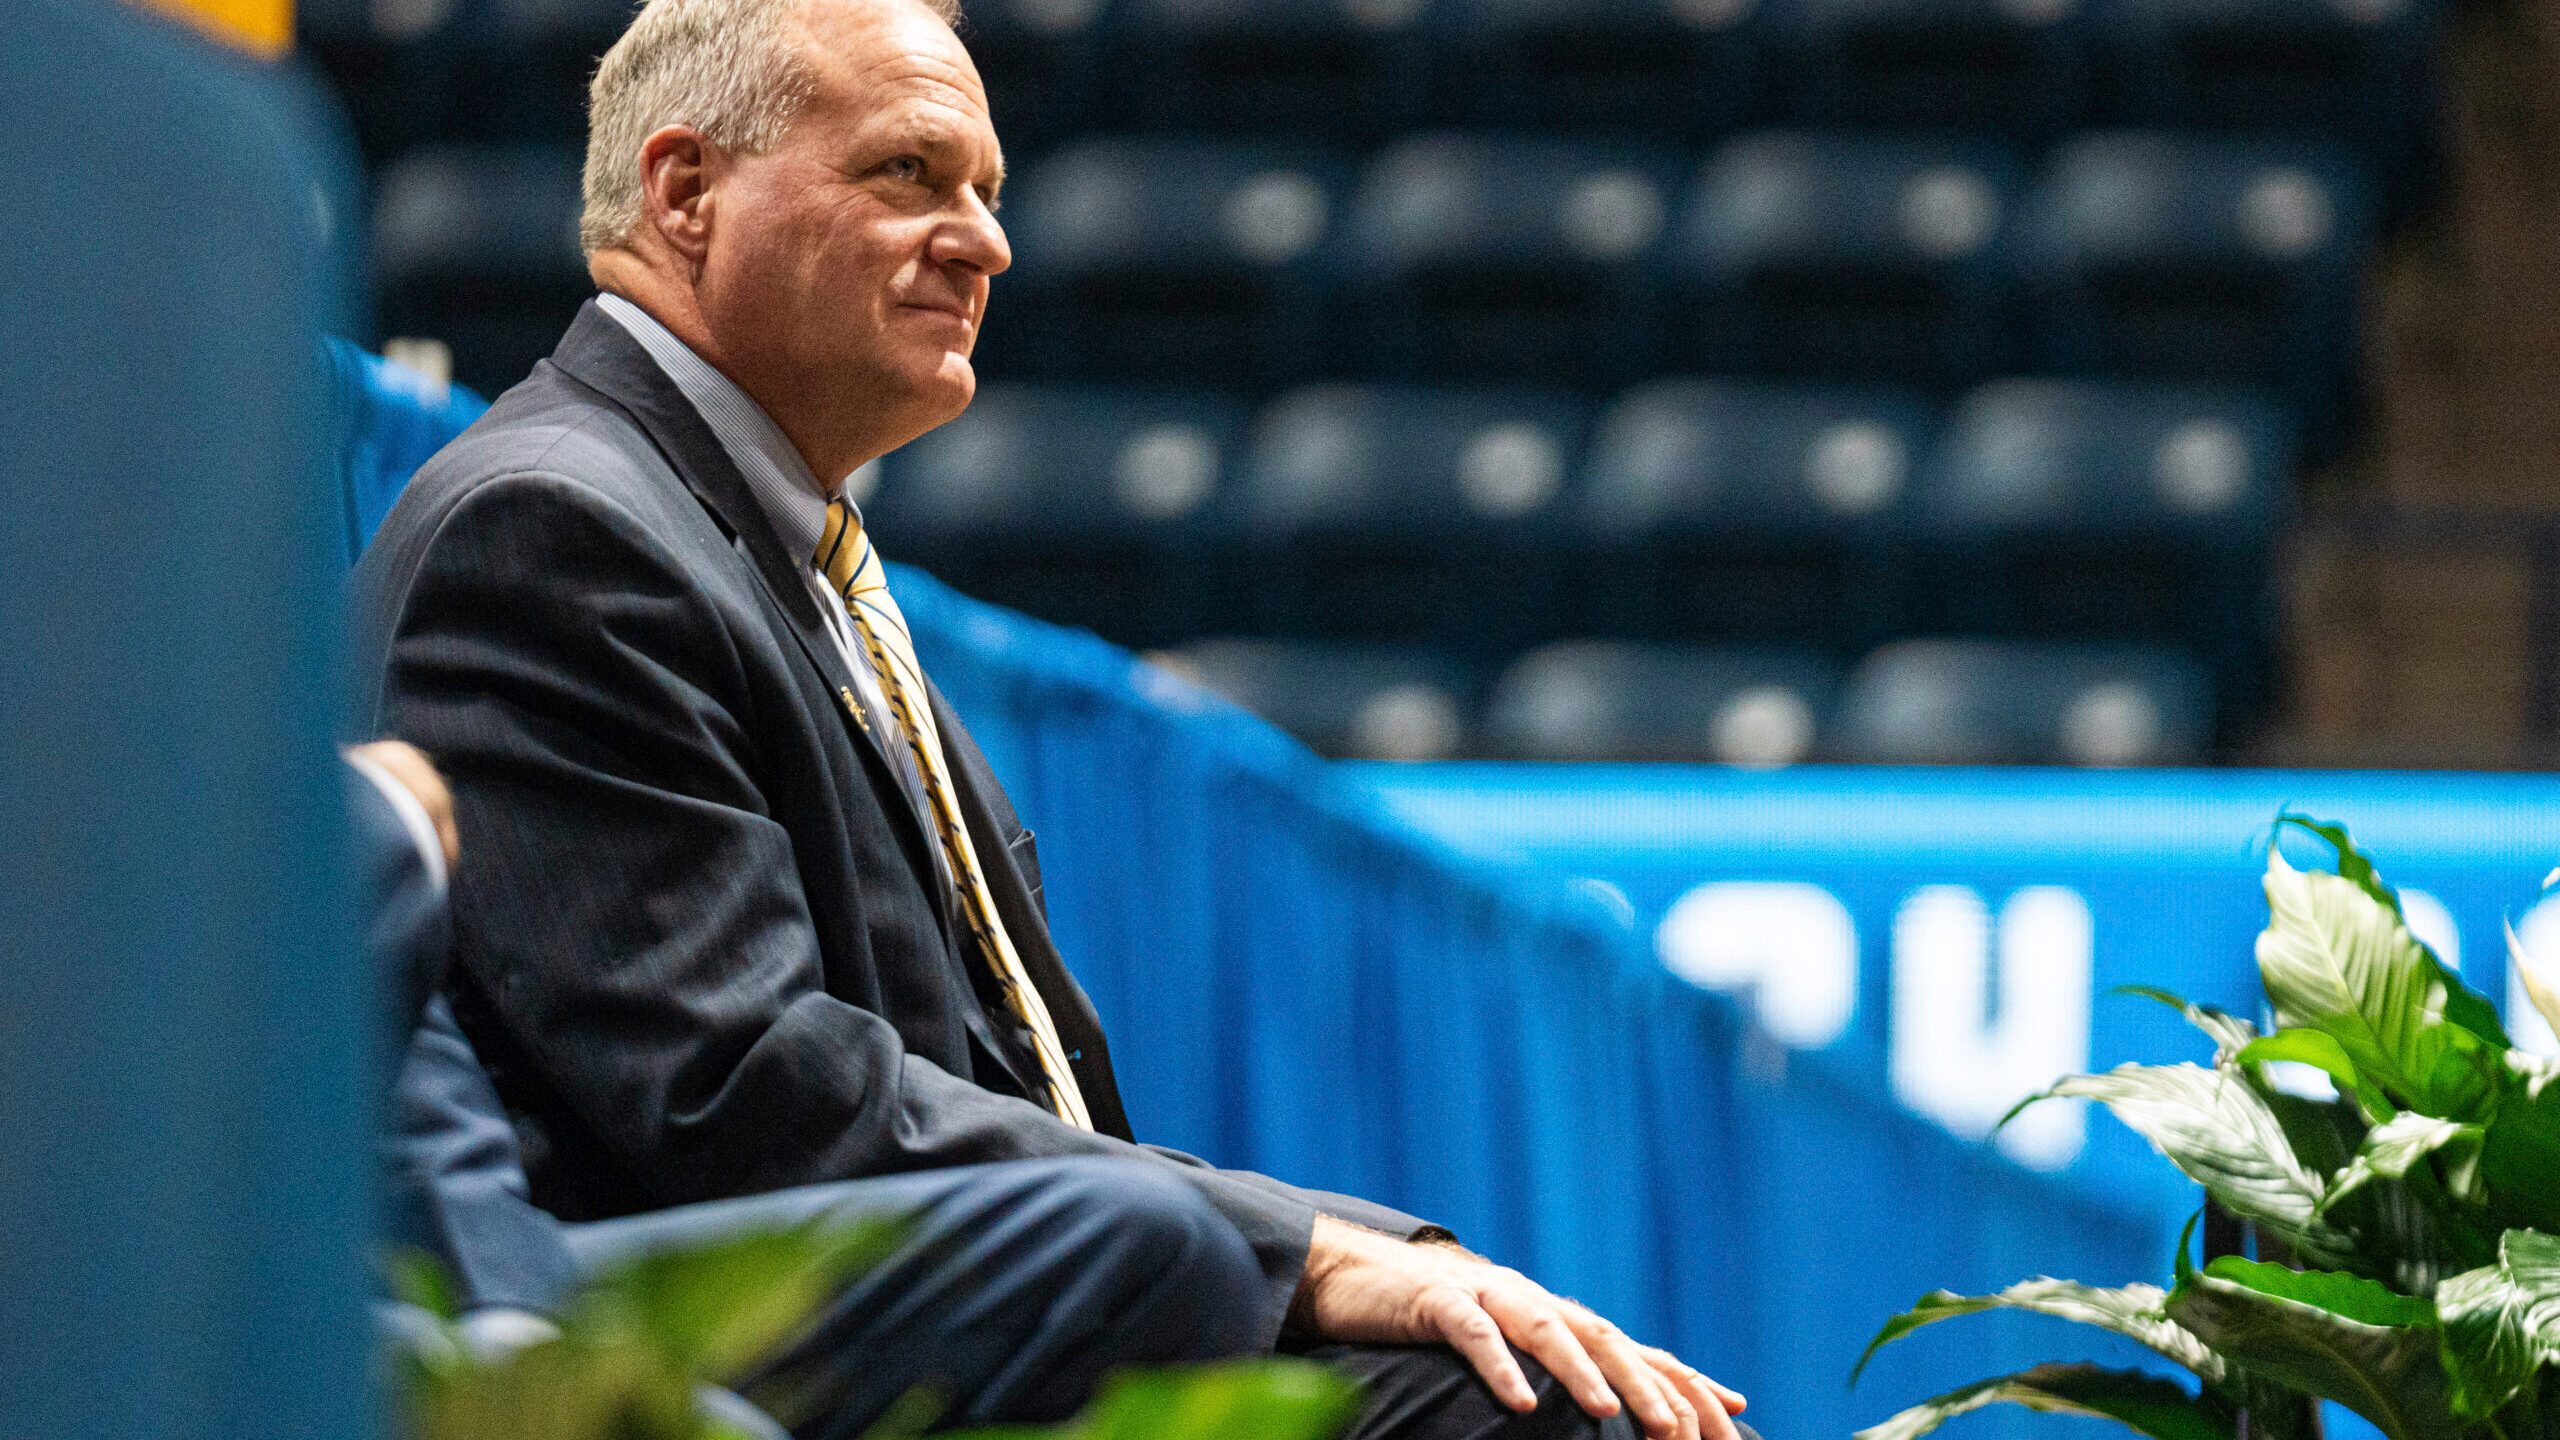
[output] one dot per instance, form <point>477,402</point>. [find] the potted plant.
<point>2408,1227</point>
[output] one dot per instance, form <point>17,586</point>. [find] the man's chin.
<point>936,393</point>
<point>953,384</point>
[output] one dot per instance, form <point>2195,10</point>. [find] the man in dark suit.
<point>964,1304</point>
<point>747,909</point>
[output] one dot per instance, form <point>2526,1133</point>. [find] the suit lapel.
<point>1089,1054</point>
<point>598,353</point>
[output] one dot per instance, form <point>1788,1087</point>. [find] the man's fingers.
<point>1665,1413</point>
<point>1463,1324</point>
<point>1537,1326</point>
<point>1703,1390</point>
<point>1705,1396</point>
<point>1716,1423</point>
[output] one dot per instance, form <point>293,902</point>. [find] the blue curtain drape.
<point>1296,983</point>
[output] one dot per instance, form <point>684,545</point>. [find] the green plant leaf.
<point>2501,1323</point>
<point>2337,960</point>
<point>2354,865</point>
<point>2147,1404</point>
<point>711,1311</point>
<point>2463,1007</point>
<point>2216,1127</point>
<point>2395,1147</point>
<point>2322,1052</point>
<point>2133,1312</point>
<point>2520,1158</point>
<point>1276,1399</point>
<point>2325,1134</point>
<point>2488,1354</point>
<point>2349,1296</point>
<point>561,1389</point>
<point>2532,1262</point>
<point>2228,1032</point>
<point>418,1278</point>
<point>2335,1336</point>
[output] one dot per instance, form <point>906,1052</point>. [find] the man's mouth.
<point>956,312</point>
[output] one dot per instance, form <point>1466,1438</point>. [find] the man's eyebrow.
<point>930,133</point>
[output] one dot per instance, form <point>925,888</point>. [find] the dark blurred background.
<point>2097,382</point>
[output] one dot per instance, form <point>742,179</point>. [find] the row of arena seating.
<point>1930,701</point>
<point>1489,520</point>
<point>1459,328</point>
<point>1359,70</point>
<point>1930,262</point>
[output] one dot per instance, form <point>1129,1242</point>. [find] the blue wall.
<point>1297,982</point>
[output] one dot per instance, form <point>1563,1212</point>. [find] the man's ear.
<point>675,188</point>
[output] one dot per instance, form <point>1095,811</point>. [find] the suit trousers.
<point>1013,1290</point>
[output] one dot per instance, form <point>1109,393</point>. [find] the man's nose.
<point>973,239</point>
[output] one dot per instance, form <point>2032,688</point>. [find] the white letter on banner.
<point>1949,1059</point>
<point>2539,933</point>
<point>1791,949</point>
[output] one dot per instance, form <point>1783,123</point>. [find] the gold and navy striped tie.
<point>850,564</point>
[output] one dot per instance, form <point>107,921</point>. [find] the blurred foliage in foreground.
<point>637,1346</point>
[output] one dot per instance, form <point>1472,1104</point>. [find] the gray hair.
<point>731,69</point>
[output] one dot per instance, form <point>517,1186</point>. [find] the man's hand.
<point>1364,1286</point>
<point>401,761</point>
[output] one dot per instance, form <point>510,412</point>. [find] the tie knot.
<point>844,551</point>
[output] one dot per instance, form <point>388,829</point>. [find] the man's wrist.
<point>1435,1238</point>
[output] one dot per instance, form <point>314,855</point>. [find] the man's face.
<point>848,266</point>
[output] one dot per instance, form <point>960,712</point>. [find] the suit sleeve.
<point>407,932</point>
<point>631,908</point>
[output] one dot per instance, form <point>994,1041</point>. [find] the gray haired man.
<point>747,909</point>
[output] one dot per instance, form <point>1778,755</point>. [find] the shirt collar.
<point>780,479</point>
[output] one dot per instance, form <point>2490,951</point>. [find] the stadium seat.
<point>1339,70</point>
<point>2038,459</point>
<point>1842,256</point>
<point>2017,67</point>
<point>521,67</point>
<point>1041,61</point>
<point>2348,69</point>
<point>1747,512</point>
<point>1607,700</point>
<point>1479,257</point>
<point>1976,702</point>
<point>1082,505</point>
<point>1655,66</point>
<point>1346,701</point>
<point>2199,258</point>
<point>477,246</point>
<point>1165,259</point>
<point>1411,515</point>
<point>2095,511</point>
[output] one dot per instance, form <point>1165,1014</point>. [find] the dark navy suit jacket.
<point>700,945</point>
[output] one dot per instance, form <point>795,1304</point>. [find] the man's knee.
<point>1162,1247</point>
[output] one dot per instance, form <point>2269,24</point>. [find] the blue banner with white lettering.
<point>1952,937</point>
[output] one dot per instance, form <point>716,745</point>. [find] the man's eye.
<point>907,167</point>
